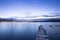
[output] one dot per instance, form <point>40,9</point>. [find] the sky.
<point>26,8</point>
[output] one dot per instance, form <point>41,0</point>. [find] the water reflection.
<point>17,30</point>
<point>28,30</point>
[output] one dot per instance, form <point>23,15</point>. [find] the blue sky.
<point>23,8</point>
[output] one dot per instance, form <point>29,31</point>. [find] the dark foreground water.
<point>28,30</point>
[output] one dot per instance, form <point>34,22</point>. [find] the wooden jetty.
<point>41,34</point>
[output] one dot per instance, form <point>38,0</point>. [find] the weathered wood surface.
<point>41,34</point>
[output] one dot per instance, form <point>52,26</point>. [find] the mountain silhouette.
<point>31,20</point>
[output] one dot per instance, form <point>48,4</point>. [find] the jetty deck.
<point>41,34</point>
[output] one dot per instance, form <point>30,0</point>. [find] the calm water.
<point>28,30</point>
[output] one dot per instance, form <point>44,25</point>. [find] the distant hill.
<point>7,19</point>
<point>31,20</point>
<point>47,20</point>
<point>54,20</point>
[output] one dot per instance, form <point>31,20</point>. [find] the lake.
<point>28,30</point>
